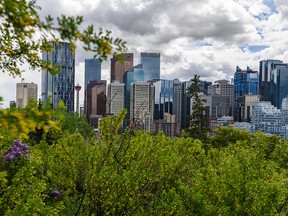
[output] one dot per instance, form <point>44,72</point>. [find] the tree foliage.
<point>198,120</point>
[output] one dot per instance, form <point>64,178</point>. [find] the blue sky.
<point>206,37</point>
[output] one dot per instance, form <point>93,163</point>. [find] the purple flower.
<point>17,150</point>
<point>56,193</point>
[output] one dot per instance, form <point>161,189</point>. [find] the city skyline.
<point>208,38</point>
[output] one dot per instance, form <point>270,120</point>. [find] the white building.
<point>25,92</point>
<point>115,98</point>
<point>142,104</point>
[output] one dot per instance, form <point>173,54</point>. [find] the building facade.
<point>92,71</point>
<point>265,68</point>
<point>151,65</point>
<point>245,82</point>
<point>26,92</point>
<point>279,84</point>
<point>177,100</point>
<point>95,101</point>
<point>118,67</point>
<point>61,86</point>
<point>115,98</point>
<point>163,103</point>
<point>142,104</point>
<point>245,106</point>
<point>224,88</point>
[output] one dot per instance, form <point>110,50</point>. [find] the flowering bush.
<point>16,151</point>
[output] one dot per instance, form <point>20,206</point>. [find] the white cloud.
<point>192,36</point>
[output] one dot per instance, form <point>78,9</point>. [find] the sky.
<point>205,37</point>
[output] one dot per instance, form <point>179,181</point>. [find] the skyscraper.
<point>25,92</point>
<point>224,88</point>
<point>151,65</point>
<point>92,71</point>
<point>245,82</point>
<point>142,104</point>
<point>265,68</point>
<point>134,74</point>
<point>118,68</point>
<point>177,100</point>
<point>115,98</point>
<point>95,101</point>
<point>61,86</point>
<point>279,84</point>
<point>163,97</point>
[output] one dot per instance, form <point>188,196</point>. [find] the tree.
<point>198,120</point>
<point>20,23</point>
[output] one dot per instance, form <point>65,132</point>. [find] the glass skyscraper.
<point>163,98</point>
<point>92,71</point>
<point>151,65</point>
<point>60,87</point>
<point>245,82</point>
<point>118,68</point>
<point>265,68</point>
<point>135,74</point>
<point>279,84</point>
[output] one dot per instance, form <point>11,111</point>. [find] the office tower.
<point>95,101</point>
<point>245,104</point>
<point>115,98</point>
<point>265,68</point>
<point>217,105</point>
<point>224,88</point>
<point>118,67</point>
<point>279,84</point>
<point>245,82</point>
<point>134,74</point>
<point>25,92</point>
<point>61,86</point>
<point>142,104</point>
<point>204,85</point>
<point>92,71</point>
<point>186,101</point>
<point>177,100</point>
<point>163,97</point>
<point>151,65</point>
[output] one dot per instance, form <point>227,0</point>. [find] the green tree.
<point>198,120</point>
<point>20,42</point>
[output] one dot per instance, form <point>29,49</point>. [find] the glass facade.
<point>92,70</point>
<point>163,98</point>
<point>135,74</point>
<point>279,84</point>
<point>151,65</point>
<point>245,82</point>
<point>60,87</point>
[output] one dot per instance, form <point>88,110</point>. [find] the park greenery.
<point>52,163</point>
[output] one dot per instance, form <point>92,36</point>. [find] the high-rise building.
<point>61,86</point>
<point>92,71</point>
<point>279,84</point>
<point>245,82</point>
<point>217,105</point>
<point>265,68</point>
<point>177,100</point>
<point>186,102</point>
<point>224,88</point>
<point>151,65</point>
<point>115,98</point>
<point>142,104</point>
<point>95,101</point>
<point>245,104</point>
<point>164,90</point>
<point>25,92</point>
<point>118,67</point>
<point>134,74</point>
